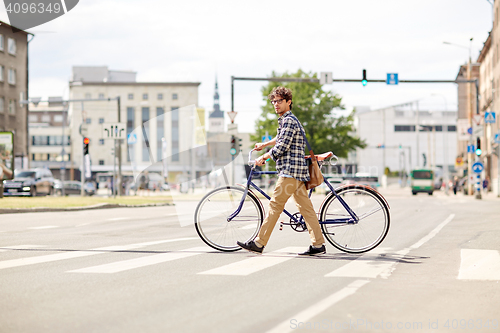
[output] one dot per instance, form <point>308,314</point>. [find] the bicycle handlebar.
<point>330,161</point>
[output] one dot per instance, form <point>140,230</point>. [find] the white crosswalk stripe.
<point>125,265</point>
<point>78,254</point>
<point>255,264</point>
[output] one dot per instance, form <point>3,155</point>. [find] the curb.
<point>70,209</point>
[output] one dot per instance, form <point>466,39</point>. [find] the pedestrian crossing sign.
<point>489,117</point>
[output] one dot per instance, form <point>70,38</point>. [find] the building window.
<point>12,106</point>
<point>87,96</point>
<point>145,97</point>
<point>58,118</point>
<point>11,46</point>
<point>2,69</point>
<point>101,142</point>
<point>404,128</point>
<point>33,118</point>
<point>160,96</point>
<point>174,96</point>
<point>101,96</point>
<point>101,162</point>
<point>145,133</point>
<point>101,120</point>
<point>1,43</point>
<point>175,134</point>
<point>130,96</point>
<point>439,128</point>
<point>452,128</point>
<point>12,76</point>
<point>88,121</point>
<point>46,118</point>
<point>2,104</point>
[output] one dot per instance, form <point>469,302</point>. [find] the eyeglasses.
<point>277,101</point>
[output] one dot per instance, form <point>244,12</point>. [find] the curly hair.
<point>282,92</point>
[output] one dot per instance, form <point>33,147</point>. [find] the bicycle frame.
<point>352,220</point>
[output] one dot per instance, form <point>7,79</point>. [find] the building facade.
<point>14,88</point>
<point>49,138</point>
<point>403,138</point>
<point>162,115</point>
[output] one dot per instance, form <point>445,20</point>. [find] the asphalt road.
<point>145,270</point>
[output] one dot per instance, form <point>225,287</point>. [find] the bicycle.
<point>353,218</point>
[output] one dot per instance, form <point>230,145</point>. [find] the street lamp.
<point>463,47</point>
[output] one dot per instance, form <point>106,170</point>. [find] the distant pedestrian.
<point>486,183</point>
<point>455,185</point>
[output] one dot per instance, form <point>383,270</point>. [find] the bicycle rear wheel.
<point>210,218</point>
<point>368,232</point>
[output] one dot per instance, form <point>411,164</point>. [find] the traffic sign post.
<point>478,167</point>
<point>113,131</point>
<point>325,78</point>
<point>496,139</point>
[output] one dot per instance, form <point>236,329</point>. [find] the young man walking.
<point>288,153</point>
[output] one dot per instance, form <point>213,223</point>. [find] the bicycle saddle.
<point>321,157</point>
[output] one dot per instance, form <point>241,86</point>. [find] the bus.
<point>422,180</point>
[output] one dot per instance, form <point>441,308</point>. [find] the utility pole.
<point>119,152</point>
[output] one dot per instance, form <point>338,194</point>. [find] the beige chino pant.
<point>285,188</point>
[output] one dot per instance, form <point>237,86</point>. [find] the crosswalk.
<point>243,266</point>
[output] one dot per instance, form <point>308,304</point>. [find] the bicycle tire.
<point>210,218</point>
<point>368,232</point>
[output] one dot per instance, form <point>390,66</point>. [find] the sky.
<point>199,40</point>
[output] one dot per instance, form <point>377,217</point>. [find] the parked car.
<point>74,187</point>
<point>31,182</point>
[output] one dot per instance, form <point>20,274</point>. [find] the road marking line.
<point>307,314</point>
<point>432,233</point>
<point>479,265</point>
<point>254,264</point>
<point>125,265</point>
<point>83,253</point>
<point>20,247</point>
<point>44,227</point>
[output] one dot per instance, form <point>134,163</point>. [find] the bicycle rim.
<point>368,232</point>
<point>212,213</point>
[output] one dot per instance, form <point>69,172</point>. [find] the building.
<point>161,118</point>
<point>489,83</point>
<point>216,117</point>
<point>49,141</point>
<point>14,88</point>
<point>402,137</point>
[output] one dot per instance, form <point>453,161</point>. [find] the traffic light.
<point>478,149</point>
<point>86,142</point>
<point>364,81</point>
<point>233,150</point>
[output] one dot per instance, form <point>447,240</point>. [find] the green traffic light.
<point>479,152</point>
<point>364,82</point>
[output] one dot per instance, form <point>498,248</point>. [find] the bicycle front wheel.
<point>364,235</point>
<point>211,215</point>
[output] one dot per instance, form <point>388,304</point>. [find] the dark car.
<point>74,187</point>
<point>30,182</point>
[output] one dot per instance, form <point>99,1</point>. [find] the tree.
<point>314,107</point>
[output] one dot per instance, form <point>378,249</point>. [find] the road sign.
<point>113,131</point>
<point>232,115</point>
<point>497,138</point>
<point>471,149</point>
<point>392,79</point>
<point>459,161</point>
<point>469,130</point>
<point>325,78</point>
<point>489,117</point>
<point>478,167</point>
<point>84,130</point>
<point>479,130</point>
<point>266,138</point>
<point>131,138</point>
<point>477,119</point>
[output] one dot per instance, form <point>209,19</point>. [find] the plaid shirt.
<point>288,153</point>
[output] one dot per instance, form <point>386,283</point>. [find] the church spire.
<point>216,97</point>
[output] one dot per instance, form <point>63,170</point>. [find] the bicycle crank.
<point>299,225</point>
